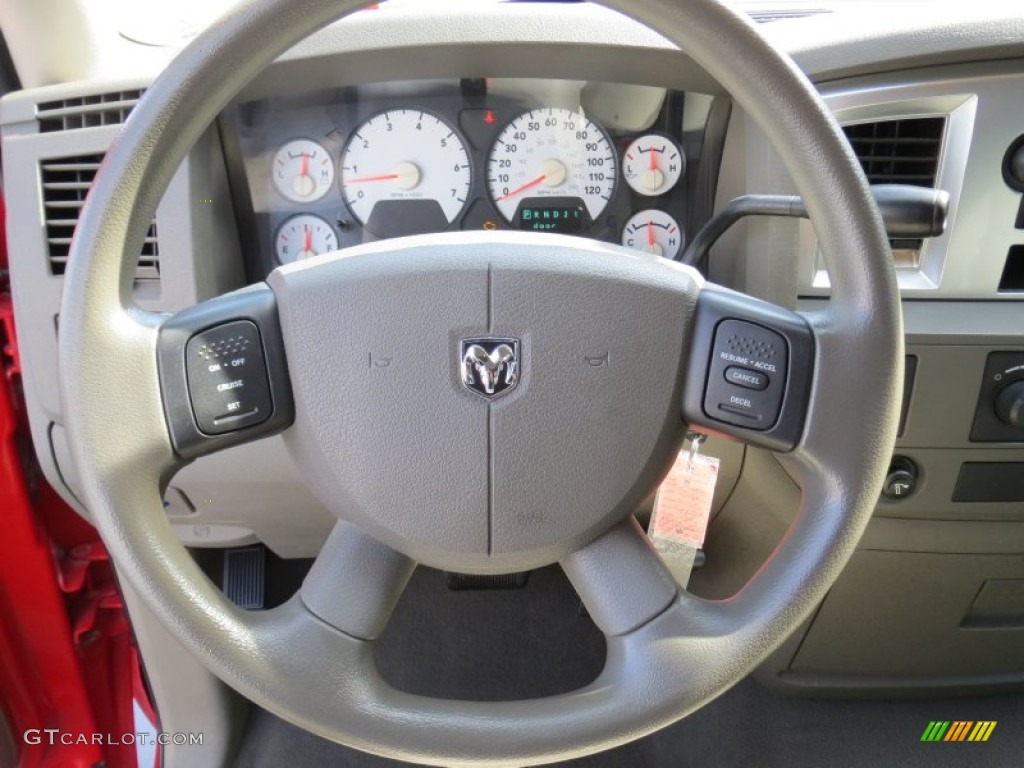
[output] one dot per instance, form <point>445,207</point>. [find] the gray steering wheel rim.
<point>682,654</point>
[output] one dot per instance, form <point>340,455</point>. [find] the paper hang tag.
<point>682,508</point>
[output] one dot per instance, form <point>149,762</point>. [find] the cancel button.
<point>744,377</point>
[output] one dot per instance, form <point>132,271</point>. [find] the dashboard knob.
<point>1010,404</point>
<point>1013,165</point>
<point>901,480</point>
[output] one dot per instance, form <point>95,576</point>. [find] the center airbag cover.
<point>389,436</point>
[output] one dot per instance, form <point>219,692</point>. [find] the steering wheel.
<point>422,464</point>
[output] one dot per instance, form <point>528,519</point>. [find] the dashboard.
<point>374,130</point>
<point>317,172</point>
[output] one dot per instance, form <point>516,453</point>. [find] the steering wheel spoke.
<point>750,370</point>
<point>355,582</point>
<point>620,579</point>
<point>625,587</point>
<point>223,373</point>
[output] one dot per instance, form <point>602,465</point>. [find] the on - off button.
<point>746,378</point>
<point>227,378</point>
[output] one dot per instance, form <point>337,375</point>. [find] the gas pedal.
<point>458,582</point>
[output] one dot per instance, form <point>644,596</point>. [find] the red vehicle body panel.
<point>67,661</point>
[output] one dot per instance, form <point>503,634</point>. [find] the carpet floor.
<point>535,641</point>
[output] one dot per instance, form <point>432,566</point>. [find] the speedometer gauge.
<point>550,153</point>
<point>405,171</point>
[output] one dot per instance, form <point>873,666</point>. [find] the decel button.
<point>744,377</point>
<point>747,377</point>
<point>227,378</point>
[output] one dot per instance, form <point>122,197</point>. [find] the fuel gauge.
<point>303,171</point>
<point>302,237</point>
<point>653,231</point>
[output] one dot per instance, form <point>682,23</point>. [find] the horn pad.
<point>392,349</point>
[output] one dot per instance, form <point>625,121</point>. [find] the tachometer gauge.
<point>405,171</point>
<point>551,153</point>
<point>302,171</point>
<point>302,237</point>
<point>652,164</point>
<point>653,231</point>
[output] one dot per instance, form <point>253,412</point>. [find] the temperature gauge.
<point>302,237</point>
<point>653,231</point>
<point>653,164</point>
<point>303,171</point>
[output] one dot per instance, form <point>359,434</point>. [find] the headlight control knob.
<point>901,481</point>
<point>1010,404</point>
<point>1013,165</point>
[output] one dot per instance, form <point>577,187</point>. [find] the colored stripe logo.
<point>958,730</point>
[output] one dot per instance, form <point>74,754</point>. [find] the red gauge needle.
<point>523,187</point>
<point>385,177</point>
<point>650,233</point>
<point>307,240</point>
<point>654,164</point>
<point>304,167</point>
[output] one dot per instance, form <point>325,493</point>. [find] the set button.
<point>227,378</point>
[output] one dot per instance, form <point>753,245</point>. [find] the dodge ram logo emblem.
<point>490,367</point>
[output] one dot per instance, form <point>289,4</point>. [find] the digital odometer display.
<point>564,215</point>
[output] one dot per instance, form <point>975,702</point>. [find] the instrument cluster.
<point>326,171</point>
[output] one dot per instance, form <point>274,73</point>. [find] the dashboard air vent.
<point>899,151</point>
<point>86,111</point>
<point>904,151</point>
<point>66,182</point>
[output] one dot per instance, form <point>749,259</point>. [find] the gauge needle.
<point>303,184</point>
<point>307,239</point>
<point>653,178</point>
<point>406,176</point>
<point>522,187</point>
<point>552,174</point>
<point>650,233</point>
<point>385,177</point>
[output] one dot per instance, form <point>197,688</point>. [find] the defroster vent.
<point>66,182</point>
